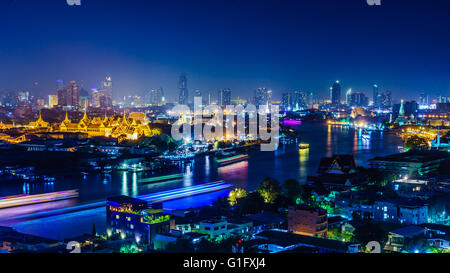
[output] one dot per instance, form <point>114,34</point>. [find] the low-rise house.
<point>403,211</point>
<point>398,237</point>
<point>277,241</point>
<point>411,163</point>
<point>13,241</point>
<point>309,221</point>
<point>266,221</point>
<point>338,173</point>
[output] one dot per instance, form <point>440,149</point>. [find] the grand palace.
<point>121,127</point>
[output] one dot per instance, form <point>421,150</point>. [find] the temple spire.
<point>67,118</point>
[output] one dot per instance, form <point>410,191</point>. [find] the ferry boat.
<point>163,178</point>
<point>303,146</point>
<point>30,199</point>
<point>365,135</point>
<point>231,159</point>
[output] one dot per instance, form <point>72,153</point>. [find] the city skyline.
<point>305,46</point>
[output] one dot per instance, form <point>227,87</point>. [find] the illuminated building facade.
<point>122,128</point>
<point>335,94</point>
<point>129,217</point>
<point>308,221</point>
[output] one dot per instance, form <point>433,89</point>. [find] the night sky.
<point>402,45</point>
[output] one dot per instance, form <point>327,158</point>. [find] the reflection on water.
<point>286,162</point>
<point>236,171</point>
<point>304,157</point>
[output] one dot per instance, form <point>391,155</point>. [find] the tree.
<point>416,142</point>
<point>269,189</point>
<point>251,204</point>
<point>235,194</point>
<point>416,244</point>
<point>370,232</point>
<point>292,189</point>
<point>180,246</point>
<point>306,196</point>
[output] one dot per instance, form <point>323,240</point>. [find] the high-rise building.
<point>107,87</point>
<point>348,97</point>
<point>376,96</point>
<point>83,97</point>
<point>52,101</point>
<point>224,97</point>
<point>183,90</point>
<point>286,101</point>
<point>262,96</point>
<point>386,99</point>
<point>423,99</point>
<point>335,94</point>
<point>300,100</point>
<point>311,98</point>
<point>154,97</point>
<point>59,85</point>
<point>73,98</point>
<point>62,97</point>
<point>356,99</point>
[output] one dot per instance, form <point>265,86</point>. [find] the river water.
<point>284,163</point>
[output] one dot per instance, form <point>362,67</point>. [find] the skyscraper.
<point>286,101</point>
<point>386,99</point>
<point>73,94</point>
<point>262,96</point>
<point>182,85</point>
<point>224,97</point>
<point>376,96</point>
<point>154,97</point>
<point>300,99</point>
<point>423,99</point>
<point>335,94</point>
<point>348,97</point>
<point>59,85</point>
<point>106,89</point>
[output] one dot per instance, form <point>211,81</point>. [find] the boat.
<point>30,199</point>
<point>365,135</point>
<point>163,178</point>
<point>303,146</point>
<point>231,159</point>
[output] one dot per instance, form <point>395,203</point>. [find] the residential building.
<point>307,221</point>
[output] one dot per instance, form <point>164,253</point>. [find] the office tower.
<point>24,97</point>
<point>224,97</point>
<point>182,85</point>
<point>386,99</point>
<point>423,99</point>
<point>335,94</point>
<point>262,96</point>
<point>72,94</point>
<point>286,101</point>
<point>310,98</point>
<point>358,99</point>
<point>348,97</point>
<point>99,99</point>
<point>107,87</point>
<point>59,85</point>
<point>300,99</point>
<point>154,97</point>
<point>376,96</point>
<point>52,101</point>
<point>83,98</point>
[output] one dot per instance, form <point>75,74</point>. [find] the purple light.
<point>291,122</point>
